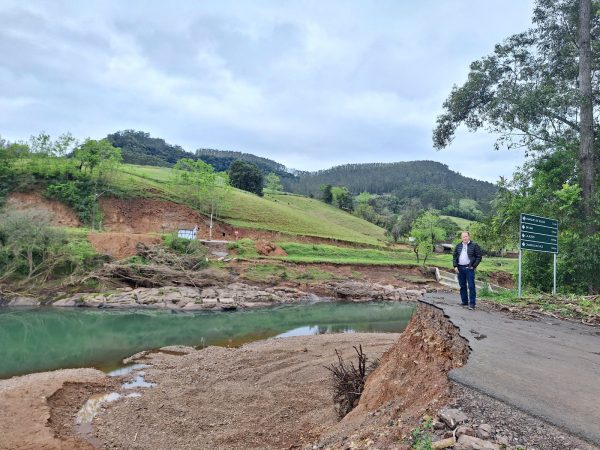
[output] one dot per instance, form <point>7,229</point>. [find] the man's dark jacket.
<point>473,251</point>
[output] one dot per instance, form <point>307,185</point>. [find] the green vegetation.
<point>273,182</point>
<point>285,213</point>
<point>31,249</point>
<point>463,224</point>
<point>280,272</point>
<point>323,253</point>
<point>246,176</point>
<point>243,248</point>
<point>585,308</point>
<point>421,436</point>
<point>426,231</point>
<point>542,101</point>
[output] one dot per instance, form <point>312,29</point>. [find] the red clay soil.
<point>144,215</point>
<point>61,214</point>
<point>411,381</point>
<point>266,248</point>
<point>121,245</point>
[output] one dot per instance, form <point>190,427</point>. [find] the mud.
<point>121,245</point>
<point>61,214</point>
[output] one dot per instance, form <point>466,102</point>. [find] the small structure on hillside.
<point>188,234</point>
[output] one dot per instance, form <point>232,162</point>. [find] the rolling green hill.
<point>291,214</point>
<point>430,183</point>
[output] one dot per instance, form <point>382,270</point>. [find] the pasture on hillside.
<point>290,214</point>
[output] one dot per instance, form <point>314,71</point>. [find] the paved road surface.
<point>548,368</point>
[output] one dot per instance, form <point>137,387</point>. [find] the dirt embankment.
<point>27,416</point>
<point>410,381</point>
<point>61,215</point>
<point>121,245</point>
<point>144,215</point>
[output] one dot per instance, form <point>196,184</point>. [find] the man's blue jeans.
<point>466,277</point>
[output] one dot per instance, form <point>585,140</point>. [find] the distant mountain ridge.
<point>403,179</point>
<point>137,147</point>
<point>433,183</point>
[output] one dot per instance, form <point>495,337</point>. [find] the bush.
<point>31,248</point>
<point>348,381</point>
<point>80,196</point>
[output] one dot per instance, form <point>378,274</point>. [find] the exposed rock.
<point>484,431</point>
<point>472,443</point>
<point>360,290</point>
<point>438,425</point>
<point>23,301</point>
<point>444,443</point>
<point>452,417</point>
<point>465,430</point>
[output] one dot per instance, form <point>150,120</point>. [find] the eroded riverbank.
<point>269,394</point>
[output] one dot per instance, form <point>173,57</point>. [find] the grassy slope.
<point>290,214</point>
<point>463,224</point>
<point>312,253</point>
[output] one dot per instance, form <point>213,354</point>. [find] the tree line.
<point>536,91</point>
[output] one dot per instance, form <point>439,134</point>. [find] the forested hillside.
<point>431,182</point>
<point>428,183</point>
<point>137,147</point>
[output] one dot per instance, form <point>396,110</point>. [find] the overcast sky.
<point>310,84</point>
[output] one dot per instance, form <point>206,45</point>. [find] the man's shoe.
<point>471,308</point>
<point>464,305</point>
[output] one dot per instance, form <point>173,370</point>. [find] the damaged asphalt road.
<point>548,368</point>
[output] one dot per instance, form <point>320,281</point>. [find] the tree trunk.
<point>586,145</point>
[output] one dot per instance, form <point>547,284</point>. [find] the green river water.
<point>40,339</point>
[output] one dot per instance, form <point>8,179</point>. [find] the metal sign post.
<point>538,234</point>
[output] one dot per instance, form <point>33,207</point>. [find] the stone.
<point>463,429</point>
<point>69,302</point>
<point>452,417</point>
<point>226,301</point>
<point>191,306</point>
<point>24,301</point>
<point>502,440</point>
<point>444,443</point>
<point>472,443</point>
<point>438,425</point>
<point>484,431</point>
<point>209,293</point>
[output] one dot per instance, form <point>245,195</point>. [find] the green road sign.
<point>537,220</point>
<point>539,234</point>
<point>526,227</point>
<point>539,246</point>
<point>539,238</point>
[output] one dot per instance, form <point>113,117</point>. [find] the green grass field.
<point>290,214</point>
<point>322,253</point>
<point>463,224</point>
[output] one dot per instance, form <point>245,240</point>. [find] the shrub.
<point>348,381</point>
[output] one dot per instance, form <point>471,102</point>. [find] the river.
<point>47,338</point>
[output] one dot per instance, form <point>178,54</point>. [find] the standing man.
<point>466,258</point>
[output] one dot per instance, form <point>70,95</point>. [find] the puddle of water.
<point>126,370</point>
<point>307,331</point>
<point>91,408</point>
<point>138,382</point>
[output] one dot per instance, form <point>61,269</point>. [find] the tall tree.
<point>246,176</point>
<point>273,182</point>
<point>205,189</point>
<point>586,141</point>
<point>535,92</point>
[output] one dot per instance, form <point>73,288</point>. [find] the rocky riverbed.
<point>218,295</point>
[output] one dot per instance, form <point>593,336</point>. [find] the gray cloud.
<point>310,84</point>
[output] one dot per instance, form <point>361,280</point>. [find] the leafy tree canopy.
<point>246,176</point>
